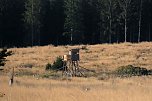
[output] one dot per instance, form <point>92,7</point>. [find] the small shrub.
<point>48,66</point>
<point>84,48</point>
<point>3,54</point>
<point>57,65</point>
<point>128,71</point>
<point>150,72</point>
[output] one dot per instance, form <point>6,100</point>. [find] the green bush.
<point>57,65</point>
<point>3,54</point>
<point>150,72</point>
<point>48,66</point>
<point>129,70</point>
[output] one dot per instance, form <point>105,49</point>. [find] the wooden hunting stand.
<point>71,63</point>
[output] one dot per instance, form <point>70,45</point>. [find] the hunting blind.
<point>71,63</point>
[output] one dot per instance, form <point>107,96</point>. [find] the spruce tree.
<point>108,17</point>
<point>73,20</point>
<point>32,20</point>
<point>126,6</point>
<point>90,12</point>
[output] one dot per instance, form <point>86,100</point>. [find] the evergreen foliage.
<point>57,65</point>
<point>73,21</point>
<point>60,22</point>
<point>32,20</point>
<point>128,71</point>
<point>48,66</point>
<point>3,54</point>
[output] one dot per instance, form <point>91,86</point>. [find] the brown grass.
<point>100,57</point>
<point>78,89</point>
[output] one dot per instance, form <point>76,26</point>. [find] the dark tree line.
<point>59,22</point>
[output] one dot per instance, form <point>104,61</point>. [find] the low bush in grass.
<point>48,66</point>
<point>129,70</point>
<point>150,72</point>
<point>57,65</point>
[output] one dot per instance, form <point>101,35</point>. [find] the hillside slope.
<point>102,57</point>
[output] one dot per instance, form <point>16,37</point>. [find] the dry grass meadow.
<point>84,89</point>
<point>106,57</point>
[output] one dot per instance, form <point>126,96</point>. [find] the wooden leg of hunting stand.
<point>64,66</point>
<point>74,69</point>
<point>71,68</point>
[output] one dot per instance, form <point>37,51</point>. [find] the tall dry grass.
<point>78,89</point>
<point>100,57</point>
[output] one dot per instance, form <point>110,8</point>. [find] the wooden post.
<point>11,77</point>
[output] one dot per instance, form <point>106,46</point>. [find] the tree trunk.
<point>110,22</point>
<point>149,22</point>
<point>149,32</point>
<point>140,12</point>
<point>117,31</point>
<point>125,29</point>
<point>32,27</point>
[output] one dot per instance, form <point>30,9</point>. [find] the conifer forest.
<point>61,22</point>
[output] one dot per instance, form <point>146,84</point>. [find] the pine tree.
<point>126,6</point>
<point>32,20</point>
<point>11,22</point>
<point>108,17</point>
<point>140,19</point>
<point>1,7</point>
<point>73,20</point>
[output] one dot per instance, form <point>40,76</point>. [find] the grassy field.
<point>106,57</point>
<point>78,89</point>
